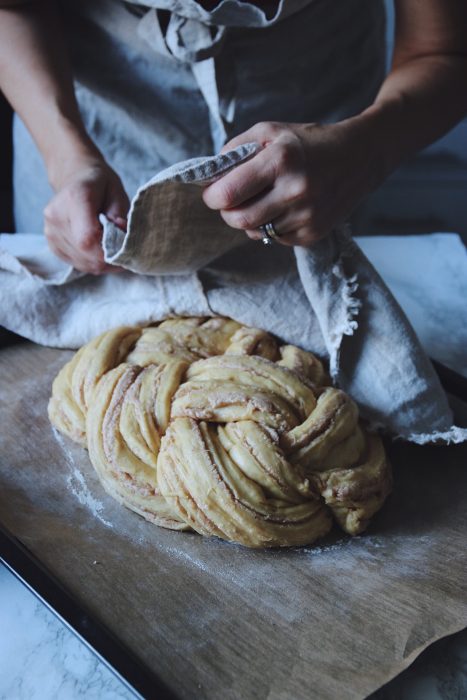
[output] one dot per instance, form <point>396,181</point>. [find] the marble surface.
<point>41,659</point>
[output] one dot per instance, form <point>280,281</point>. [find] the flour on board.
<point>78,485</point>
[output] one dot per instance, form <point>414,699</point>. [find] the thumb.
<point>117,204</point>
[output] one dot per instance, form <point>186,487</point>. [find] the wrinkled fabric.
<point>327,299</point>
<point>195,36</point>
<point>189,235</point>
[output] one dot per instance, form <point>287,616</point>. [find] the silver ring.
<point>269,230</point>
<point>269,233</point>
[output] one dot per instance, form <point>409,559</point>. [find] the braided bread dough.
<point>212,426</point>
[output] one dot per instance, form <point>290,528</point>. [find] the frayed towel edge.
<point>352,305</point>
<point>455,435</point>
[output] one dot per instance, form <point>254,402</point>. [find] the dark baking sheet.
<point>181,616</point>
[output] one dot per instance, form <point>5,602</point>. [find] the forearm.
<point>419,101</point>
<point>425,93</point>
<point>36,79</point>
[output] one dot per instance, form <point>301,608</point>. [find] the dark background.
<point>6,214</point>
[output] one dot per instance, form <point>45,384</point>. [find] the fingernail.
<point>118,221</point>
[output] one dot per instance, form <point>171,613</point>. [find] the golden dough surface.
<point>207,425</point>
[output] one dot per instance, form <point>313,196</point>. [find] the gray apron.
<point>166,81</point>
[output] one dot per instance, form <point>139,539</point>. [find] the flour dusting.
<point>78,485</point>
<point>174,551</point>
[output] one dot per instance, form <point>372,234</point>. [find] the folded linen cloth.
<point>182,260</point>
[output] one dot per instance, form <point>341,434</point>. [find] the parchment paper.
<point>215,620</point>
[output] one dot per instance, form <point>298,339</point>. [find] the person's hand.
<point>71,219</point>
<point>306,180</point>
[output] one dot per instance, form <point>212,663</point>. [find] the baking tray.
<point>179,616</point>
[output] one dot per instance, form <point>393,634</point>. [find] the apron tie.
<point>197,44</point>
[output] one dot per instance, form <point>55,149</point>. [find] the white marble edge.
<point>43,657</point>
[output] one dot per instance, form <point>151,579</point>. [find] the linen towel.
<point>183,260</point>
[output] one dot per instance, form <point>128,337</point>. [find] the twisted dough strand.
<point>208,425</point>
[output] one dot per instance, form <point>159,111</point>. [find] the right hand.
<point>71,220</point>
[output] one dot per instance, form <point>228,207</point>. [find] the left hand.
<point>307,179</point>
